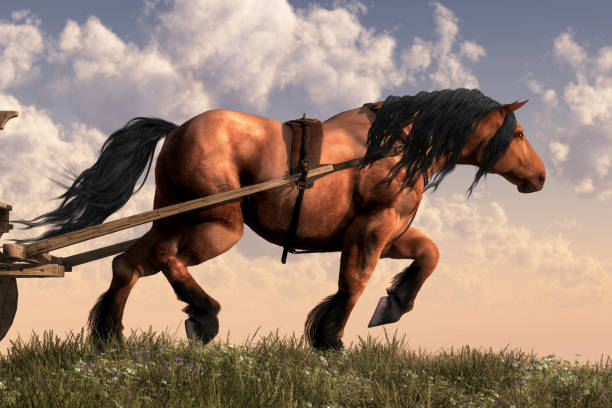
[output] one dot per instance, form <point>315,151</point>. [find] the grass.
<point>151,370</point>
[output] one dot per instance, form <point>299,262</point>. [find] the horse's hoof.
<point>202,328</point>
<point>387,311</point>
<point>334,345</point>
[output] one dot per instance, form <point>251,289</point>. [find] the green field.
<point>151,370</point>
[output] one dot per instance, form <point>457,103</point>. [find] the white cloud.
<point>602,165</point>
<point>472,51</point>
<point>590,99</point>
<point>568,51</point>
<point>549,96</point>
<point>248,51</point>
<point>108,72</point>
<point>585,186</point>
<point>447,54</point>
<point>582,116</point>
<point>19,15</point>
<point>604,61</point>
<point>418,57</point>
<point>33,144</point>
<point>20,46</point>
<point>483,244</point>
<point>559,151</point>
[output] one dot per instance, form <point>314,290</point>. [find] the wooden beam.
<point>70,261</point>
<point>5,116</point>
<point>61,241</point>
<point>39,271</point>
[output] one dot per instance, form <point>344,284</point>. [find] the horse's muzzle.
<point>531,185</point>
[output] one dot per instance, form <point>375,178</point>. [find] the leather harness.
<point>305,154</point>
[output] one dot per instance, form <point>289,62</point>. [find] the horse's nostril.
<point>542,179</point>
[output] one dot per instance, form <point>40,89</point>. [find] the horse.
<point>364,212</point>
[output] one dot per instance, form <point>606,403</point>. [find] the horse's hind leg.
<point>194,245</point>
<point>105,318</point>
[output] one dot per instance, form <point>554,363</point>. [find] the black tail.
<point>106,186</point>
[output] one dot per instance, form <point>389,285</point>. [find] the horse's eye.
<point>519,135</point>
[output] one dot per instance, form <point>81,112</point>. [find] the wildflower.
<point>179,361</point>
<point>191,366</point>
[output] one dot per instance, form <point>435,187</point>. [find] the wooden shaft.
<point>99,253</point>
<point>71,238</point>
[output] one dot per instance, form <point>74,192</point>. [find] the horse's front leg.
<point>406,284</point>
<point>362,244</point>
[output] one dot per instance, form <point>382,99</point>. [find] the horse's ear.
<point>511,107</point>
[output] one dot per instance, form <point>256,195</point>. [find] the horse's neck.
<point>356,121</point>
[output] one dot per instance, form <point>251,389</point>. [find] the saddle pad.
<point>314,127</point>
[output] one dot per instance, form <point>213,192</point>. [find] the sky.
<point>518,271</point>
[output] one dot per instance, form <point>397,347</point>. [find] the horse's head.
<point>518,163</point>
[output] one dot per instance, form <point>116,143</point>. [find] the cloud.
<point>481,243</point>
<point>559,151</point>
<point>567,50</point>
<point>247,52</point>
<point>245,55</point>
<point>106,74</point>
<point>549,96</point>
<point>21,45</point>
<point>581,112</point>
<point>448,56</point>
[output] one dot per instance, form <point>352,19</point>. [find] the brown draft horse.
<point>361,212</point>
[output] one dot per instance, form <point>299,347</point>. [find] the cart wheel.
<point>8,303</point>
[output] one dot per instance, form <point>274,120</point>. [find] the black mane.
<point>442,121</point>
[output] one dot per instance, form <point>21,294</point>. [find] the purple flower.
<point>191,366</point>
<point>137,356</point>
<point>154,396</point>
<point>179,361</point>
<point>88,366</point>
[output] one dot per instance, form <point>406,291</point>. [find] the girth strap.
<point>307,140</point>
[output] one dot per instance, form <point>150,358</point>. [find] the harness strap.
<point>302,184</point>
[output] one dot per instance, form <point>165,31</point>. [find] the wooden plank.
<point>4,206</point>
<point>39,271</point>
<point>71,261</point>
